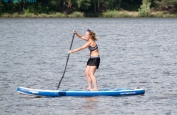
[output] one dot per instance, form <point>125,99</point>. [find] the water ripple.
<point>134,53</point>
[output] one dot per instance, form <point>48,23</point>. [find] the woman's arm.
<point>80,48</point>
<point>80,36</point>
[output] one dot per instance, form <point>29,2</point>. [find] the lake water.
<point>138,52</point>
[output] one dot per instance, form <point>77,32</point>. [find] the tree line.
<point>85,6</point>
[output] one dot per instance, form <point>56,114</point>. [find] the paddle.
<point>66,62</point>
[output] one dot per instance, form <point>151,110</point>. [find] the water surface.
<point>134,53</point>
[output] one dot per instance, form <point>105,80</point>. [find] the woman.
<point>93,61</point>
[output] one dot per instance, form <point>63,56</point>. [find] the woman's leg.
<point>92,70</point>
<point>87,74</point>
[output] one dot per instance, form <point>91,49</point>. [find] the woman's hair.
<point>92,34</point>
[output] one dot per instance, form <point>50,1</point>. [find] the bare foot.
<point>93,89</point>
<point>88,88</point>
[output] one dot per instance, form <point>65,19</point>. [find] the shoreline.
<point>109,14</point>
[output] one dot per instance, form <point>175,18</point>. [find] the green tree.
<point>1,7</point>
<point>145,10</point>
<point>168,5</point>
<point>83,4</point>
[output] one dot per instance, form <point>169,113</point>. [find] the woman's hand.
<point>70,51</point>
<point>74,31</point>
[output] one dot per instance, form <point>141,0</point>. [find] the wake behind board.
<point>101,92</point>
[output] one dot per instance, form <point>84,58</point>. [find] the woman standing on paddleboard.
<point>93,61</point>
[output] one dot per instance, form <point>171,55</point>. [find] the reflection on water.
<point>90,105</point>
<point>91,99</point>
<point>134,53</point>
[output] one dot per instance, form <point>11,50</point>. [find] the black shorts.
<point>94,61</point>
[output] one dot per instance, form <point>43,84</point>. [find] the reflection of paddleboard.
<point>101,92</point>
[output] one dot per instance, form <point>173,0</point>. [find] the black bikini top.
<point>93,48</point>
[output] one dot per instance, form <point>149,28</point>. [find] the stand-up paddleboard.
<point>101,92</point>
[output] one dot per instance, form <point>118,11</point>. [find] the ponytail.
<point>93,36</point>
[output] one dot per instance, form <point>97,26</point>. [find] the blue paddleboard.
<point>101,92</point>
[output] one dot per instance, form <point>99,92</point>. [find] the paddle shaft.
<point>66,62</point>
